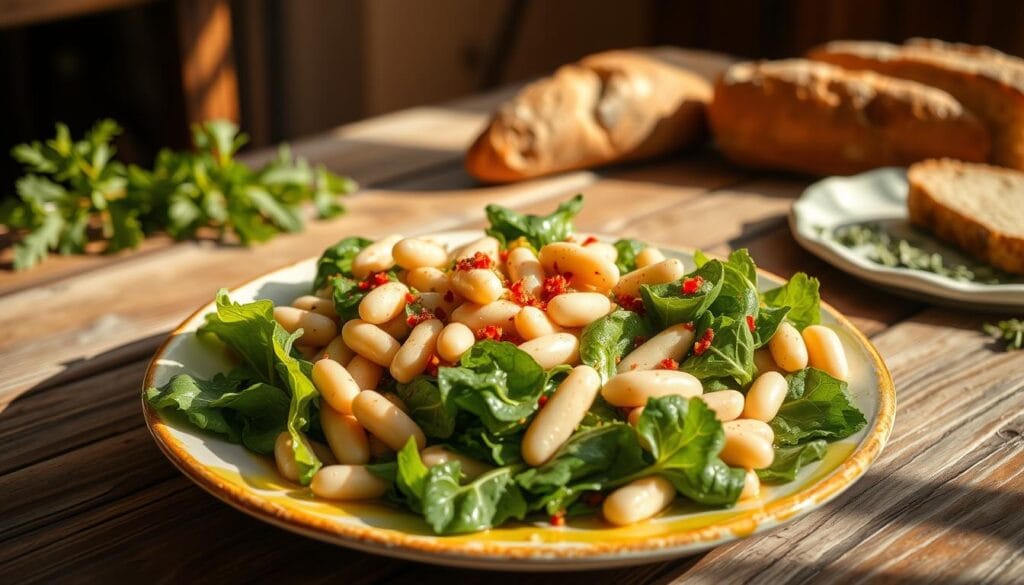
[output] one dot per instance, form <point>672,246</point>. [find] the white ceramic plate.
<point>881,196</point>
<point>251,484</point>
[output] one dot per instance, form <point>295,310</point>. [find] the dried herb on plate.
<point>1010,332</point>
<point>74,192</point>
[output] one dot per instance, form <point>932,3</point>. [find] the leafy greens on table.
<point>481,406</point>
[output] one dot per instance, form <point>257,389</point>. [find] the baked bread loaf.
<point>815,118</point>
<point>987,82</point>
<point>977,207</point>
<point>609,107</point>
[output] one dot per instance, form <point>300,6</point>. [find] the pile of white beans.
<point>360,423</point>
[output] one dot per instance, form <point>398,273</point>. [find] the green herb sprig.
<point>1010,332</point>
<point>74,192</point>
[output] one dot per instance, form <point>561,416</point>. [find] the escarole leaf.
<point>487,501</point>
<point>479,443</point>
<point>768,321</point>
<point>429,407</point>
<point>817,406</point>
<point>496,381</point>
<point>607,339</point>
<point>337,260</point>
<point>265,349</point>
<point>627,250</point>
<point>592,459</point>
<point>666,304</point>
<point>507,225</point>
<point>789,460</point>
<point>801,295</point>
<point>738,297</point>
<point>685,438</point>
<point>730,355</point>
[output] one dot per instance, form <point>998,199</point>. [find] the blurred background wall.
<point>287,68</point>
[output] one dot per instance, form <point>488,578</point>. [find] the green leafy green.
<point>685,438</point>
<point>497,382</point>
<point>768,321</point>
<point>800,294</point>
<point>337,260</point>
<point>817,406</point>
<point>738,297</point>
<point>72,184</point>
<point>1009,331</point>
<point>429,407</point>
<point>627,250</point>
<point>451,508</point>
<point>507,225</point>
<point>666,304</point>
<point>479,443</point>
<point>789,460</point>
<point>730,355</point>
<point>591,460</point>
<point>607,339</point>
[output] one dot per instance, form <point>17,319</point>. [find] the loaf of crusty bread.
<point>609,107</point>
<point>815,118</point>
<point>977,207</point>
<point>986,81</point>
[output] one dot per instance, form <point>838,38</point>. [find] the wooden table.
<point>86,496</point>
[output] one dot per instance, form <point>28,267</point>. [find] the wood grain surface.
<point>87,496</point>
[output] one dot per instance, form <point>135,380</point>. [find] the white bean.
<point>386,421</point>
<point>427,279</point>
<point>649,256</point>
<point>634,388</point>
<point>825,351</point>
<point>751,485</point>
<point>764,362</point>
<point>338,351</point>
<point>500,313</point>
<point>397,327</point>
<point>765,396</point>
<point>604,250</point>
<point>727,404</point>
<point>532,322</point>
<point>587,268</point>
<point>638,500</point>
<point>345,436</point>
<point>383,303</point>
<point>745,447</point>
<point>316,304</point>
<point>553,350</point>
<point>284,456</point>
<point>788,348</point>
<point>471,468</point>
<point>335,384</point>
<point>672,343</point>
<point>348,482</point>
<point>317,330</point>
<point>666,271</point>
<point>578,309</point>
<point>370,341</point>
<point>478,285</point>
<point>453,341</point>
<point>523,265</point>
<point>634,415</point>
<point>366,373</point>
<point>412,357</point>
<point>562,413</point>
<point>375,257</point>
<point>486,245</point>
<point>413,253</point>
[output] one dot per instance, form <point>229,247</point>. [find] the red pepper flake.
<point>542,400</point>
<point>692,285</point>
<point>639,340</point>
<point>479,260</point>
<point>492,332</point>
<point>449,296</point>
<point>503,255</point>
<point>590,240</point>
<point>593,499</point>
<point>416,318</point>
<point>433,362</point>
<point>410,298</point>
<point>522,297</point>
<point>705,341</point>
<point>631,303</point>
<point>558,518</point>
<point>374,280</point>
<point>554,286</point>
<point>668,364</point>
<point>750,323</point>
<point>688,326</point>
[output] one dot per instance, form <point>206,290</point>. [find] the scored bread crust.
<point>608,107</point>
<point>986,81</point>
<point>816,118</point>
<point>973,234</point>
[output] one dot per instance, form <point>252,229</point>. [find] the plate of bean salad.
<point>526,393</point>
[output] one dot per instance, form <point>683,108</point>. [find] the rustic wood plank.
<point>956,484</point>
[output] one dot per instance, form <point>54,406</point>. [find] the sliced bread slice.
<point>977,207</point>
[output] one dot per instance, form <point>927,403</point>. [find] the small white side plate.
<point>881,196</point>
